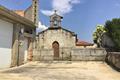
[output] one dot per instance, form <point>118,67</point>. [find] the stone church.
<point>56,42</point>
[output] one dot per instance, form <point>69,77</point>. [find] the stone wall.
<point>45,54</point>
<point>88,54</point>
<point>113,58</point>
<point>73,54</point>
<point>64,38</point>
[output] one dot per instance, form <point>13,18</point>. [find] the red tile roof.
<point>19,12</point>
<point>83,43</point>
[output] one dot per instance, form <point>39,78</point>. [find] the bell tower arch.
<point>55,20</point>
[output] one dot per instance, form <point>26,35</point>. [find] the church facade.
<point>57,43</point>
<point>56,37</point>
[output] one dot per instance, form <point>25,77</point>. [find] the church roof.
<point>56,28</point>
<point>83,43</point>
<point>52,27</point>
<point>55,14</point>
<point>19,12</point>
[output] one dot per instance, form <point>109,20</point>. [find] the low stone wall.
<point>45,54</point>
<point>68,54</point>
<point>88,54</point>
<point>113,58</point>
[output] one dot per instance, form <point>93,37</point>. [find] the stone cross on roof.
<point>55,11</point>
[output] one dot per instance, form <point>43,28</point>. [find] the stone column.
<point>15,45</point>
<point>30,50</point>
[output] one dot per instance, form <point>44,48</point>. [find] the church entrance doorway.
<point>55,46</point>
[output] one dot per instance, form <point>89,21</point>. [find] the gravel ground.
<point>61,71</point>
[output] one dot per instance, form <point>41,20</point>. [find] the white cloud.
<point>75,1</point>
<point>62,6</point>
<point>47,12</point>
<point>41,27</point>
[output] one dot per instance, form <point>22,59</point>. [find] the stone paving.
<point>61,71</point>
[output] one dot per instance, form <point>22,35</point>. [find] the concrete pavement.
<point>61,71</point>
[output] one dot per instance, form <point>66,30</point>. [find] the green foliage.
<point>100,30</point>
<point>113,30</point>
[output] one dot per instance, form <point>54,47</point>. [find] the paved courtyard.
<point>61,71</point>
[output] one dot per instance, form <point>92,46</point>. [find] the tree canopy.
<point>100,30</point>
<point>113,31</point>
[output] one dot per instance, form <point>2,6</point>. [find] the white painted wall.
<point>6,33</point>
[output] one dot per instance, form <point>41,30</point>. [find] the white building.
<point>16,37</point>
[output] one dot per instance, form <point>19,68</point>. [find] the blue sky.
<point>82,17</point>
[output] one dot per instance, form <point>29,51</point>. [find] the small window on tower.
<point>55,21</point>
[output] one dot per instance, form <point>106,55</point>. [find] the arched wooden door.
<point>55,46</point>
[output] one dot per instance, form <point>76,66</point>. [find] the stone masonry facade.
<point>63,37</point>
<point>57,43</point>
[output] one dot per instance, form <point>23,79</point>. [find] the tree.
<point>100,30</point>
<point>113,31</point>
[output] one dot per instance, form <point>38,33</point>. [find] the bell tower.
<point>55,20</point>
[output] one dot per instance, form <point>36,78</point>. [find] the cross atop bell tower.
<point>55,11</point>
<point>55,20</point>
